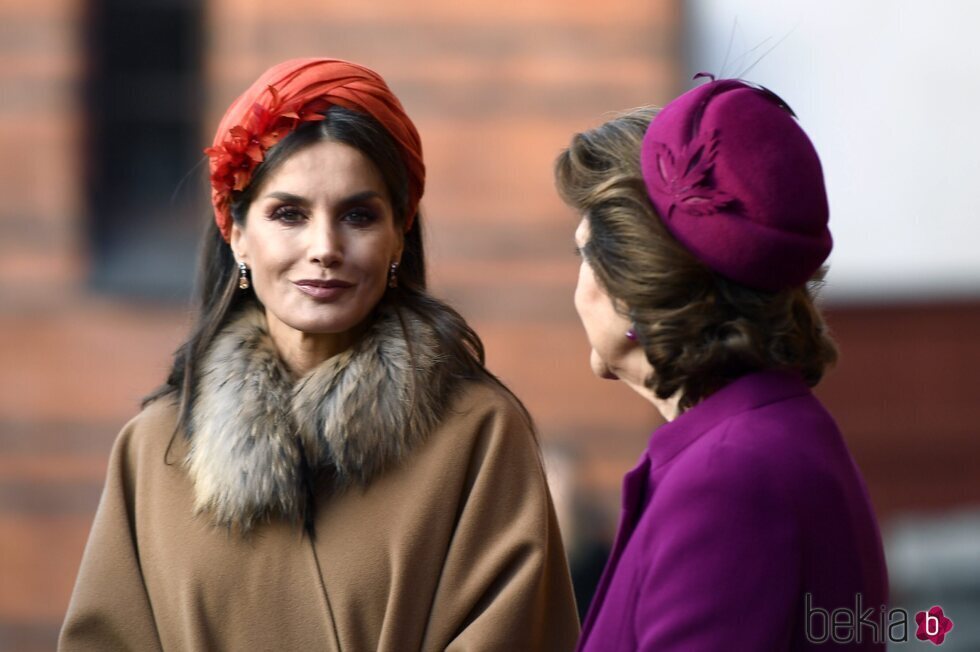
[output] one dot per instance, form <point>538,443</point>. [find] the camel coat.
<point>453,545</point>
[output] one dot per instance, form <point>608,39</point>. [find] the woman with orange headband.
<point>329,464</point>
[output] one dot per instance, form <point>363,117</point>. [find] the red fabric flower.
<point>245,145</point>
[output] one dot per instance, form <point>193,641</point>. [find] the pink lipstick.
<point>323,290</point>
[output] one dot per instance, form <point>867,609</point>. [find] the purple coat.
<point>744,526</point>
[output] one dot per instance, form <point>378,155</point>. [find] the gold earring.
<point>243,283</point>
<point>393,276</point>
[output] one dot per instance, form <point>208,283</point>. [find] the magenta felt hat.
<point>737,182</point>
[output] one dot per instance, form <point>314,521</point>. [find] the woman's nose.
<point>325,242</point>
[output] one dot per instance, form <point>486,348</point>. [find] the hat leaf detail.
<point>685,175</point>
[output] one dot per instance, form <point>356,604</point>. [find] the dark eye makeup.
<point>358,210</point>
<point>360,216</point>
<point>286,214</point>
<point>356,216</point>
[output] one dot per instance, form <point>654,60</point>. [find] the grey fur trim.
<point>353,415</point>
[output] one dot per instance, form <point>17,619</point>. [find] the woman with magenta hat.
<point>746,523</point>
<point>329,464</point>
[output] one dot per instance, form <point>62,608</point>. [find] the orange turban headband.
<point>286,96</point>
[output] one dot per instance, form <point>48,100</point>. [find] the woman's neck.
<point>633,370</point>
<point>669,408</point>
<point>303,352</point>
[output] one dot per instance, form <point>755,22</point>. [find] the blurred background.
<point>105,106</point>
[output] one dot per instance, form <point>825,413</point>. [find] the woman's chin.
<point>600,368</point>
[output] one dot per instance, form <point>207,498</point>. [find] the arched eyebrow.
<point>288,197</point>
<point>357,197</point>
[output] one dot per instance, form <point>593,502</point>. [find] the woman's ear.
<point>396,255</point>
<point>239,243</point>
<point>400,249</point>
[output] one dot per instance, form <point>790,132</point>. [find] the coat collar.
<point>741,395</point>
<point>258,436</point>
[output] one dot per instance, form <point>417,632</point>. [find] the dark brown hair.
<point>698,329</point>
<point>219,298</point>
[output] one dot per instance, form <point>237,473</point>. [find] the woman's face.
<point>604,326</point>
<point>320,238</point>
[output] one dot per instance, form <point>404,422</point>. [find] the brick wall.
<point>40,176</point>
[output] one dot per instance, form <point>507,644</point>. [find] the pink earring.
<point>631,335</point>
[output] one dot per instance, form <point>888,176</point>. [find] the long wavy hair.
<point>218,297</point>
<point>698,329</point>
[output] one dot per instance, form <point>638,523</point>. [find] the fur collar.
<point>257,436</point>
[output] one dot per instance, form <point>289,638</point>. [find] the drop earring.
<point>243,283</point>
<point>393,276</point>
